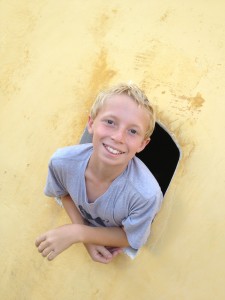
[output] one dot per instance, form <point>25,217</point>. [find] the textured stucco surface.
<point>54,57</point>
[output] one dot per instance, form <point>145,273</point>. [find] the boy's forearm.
<point>105,236</point>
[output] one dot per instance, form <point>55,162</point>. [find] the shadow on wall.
<point>161,155</point>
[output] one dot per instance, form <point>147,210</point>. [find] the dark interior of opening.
<point>161,155</point>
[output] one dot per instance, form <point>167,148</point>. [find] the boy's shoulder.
<point>75,152</point>
<point>141,178</point>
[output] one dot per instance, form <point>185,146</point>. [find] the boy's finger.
<point>117,251</point>
<point>102,259</point>
<point>105,253</point>
<point>43,245</point>
<point>52,255</point>
<point>39,240</point>
<point>46,252</point>
<point>114,249</point>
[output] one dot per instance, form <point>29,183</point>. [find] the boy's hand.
<point>55,241</point>
<point>102,254</point>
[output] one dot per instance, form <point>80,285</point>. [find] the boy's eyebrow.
<point>115,117</point>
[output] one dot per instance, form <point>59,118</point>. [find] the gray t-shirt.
<point>131,201</point>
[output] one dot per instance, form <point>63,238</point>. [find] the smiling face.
<point>119,131</point>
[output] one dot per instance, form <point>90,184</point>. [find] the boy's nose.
<point>118,136</point>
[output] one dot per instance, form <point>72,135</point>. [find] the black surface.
<point>161,156</point>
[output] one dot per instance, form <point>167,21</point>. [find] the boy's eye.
<point>133,131</point>
<point>110,122</point>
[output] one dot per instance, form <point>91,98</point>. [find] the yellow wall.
<point>54,57</point>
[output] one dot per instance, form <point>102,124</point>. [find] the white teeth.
<point>113,151</point>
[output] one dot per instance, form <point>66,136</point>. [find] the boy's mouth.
<point>112,150</point>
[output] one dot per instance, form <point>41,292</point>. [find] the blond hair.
<point>134,93</point>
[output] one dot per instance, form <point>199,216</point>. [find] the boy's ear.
<point>90,125</point>
<point>144,144</point>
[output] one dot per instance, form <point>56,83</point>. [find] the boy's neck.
<point>103,172</point>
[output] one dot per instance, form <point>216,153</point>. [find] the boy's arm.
<point>97,252</point>
<point>57,240</point>
<point>105,236</point>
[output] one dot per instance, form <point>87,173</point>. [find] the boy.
<point>109,194</point>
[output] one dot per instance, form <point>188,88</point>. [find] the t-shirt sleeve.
<point>137,224</point>
<point>54,185</point>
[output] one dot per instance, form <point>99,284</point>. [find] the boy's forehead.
<point>125,106</point>
<point>119,97</point>
<point>122,101</point>
<point>118,100</point>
